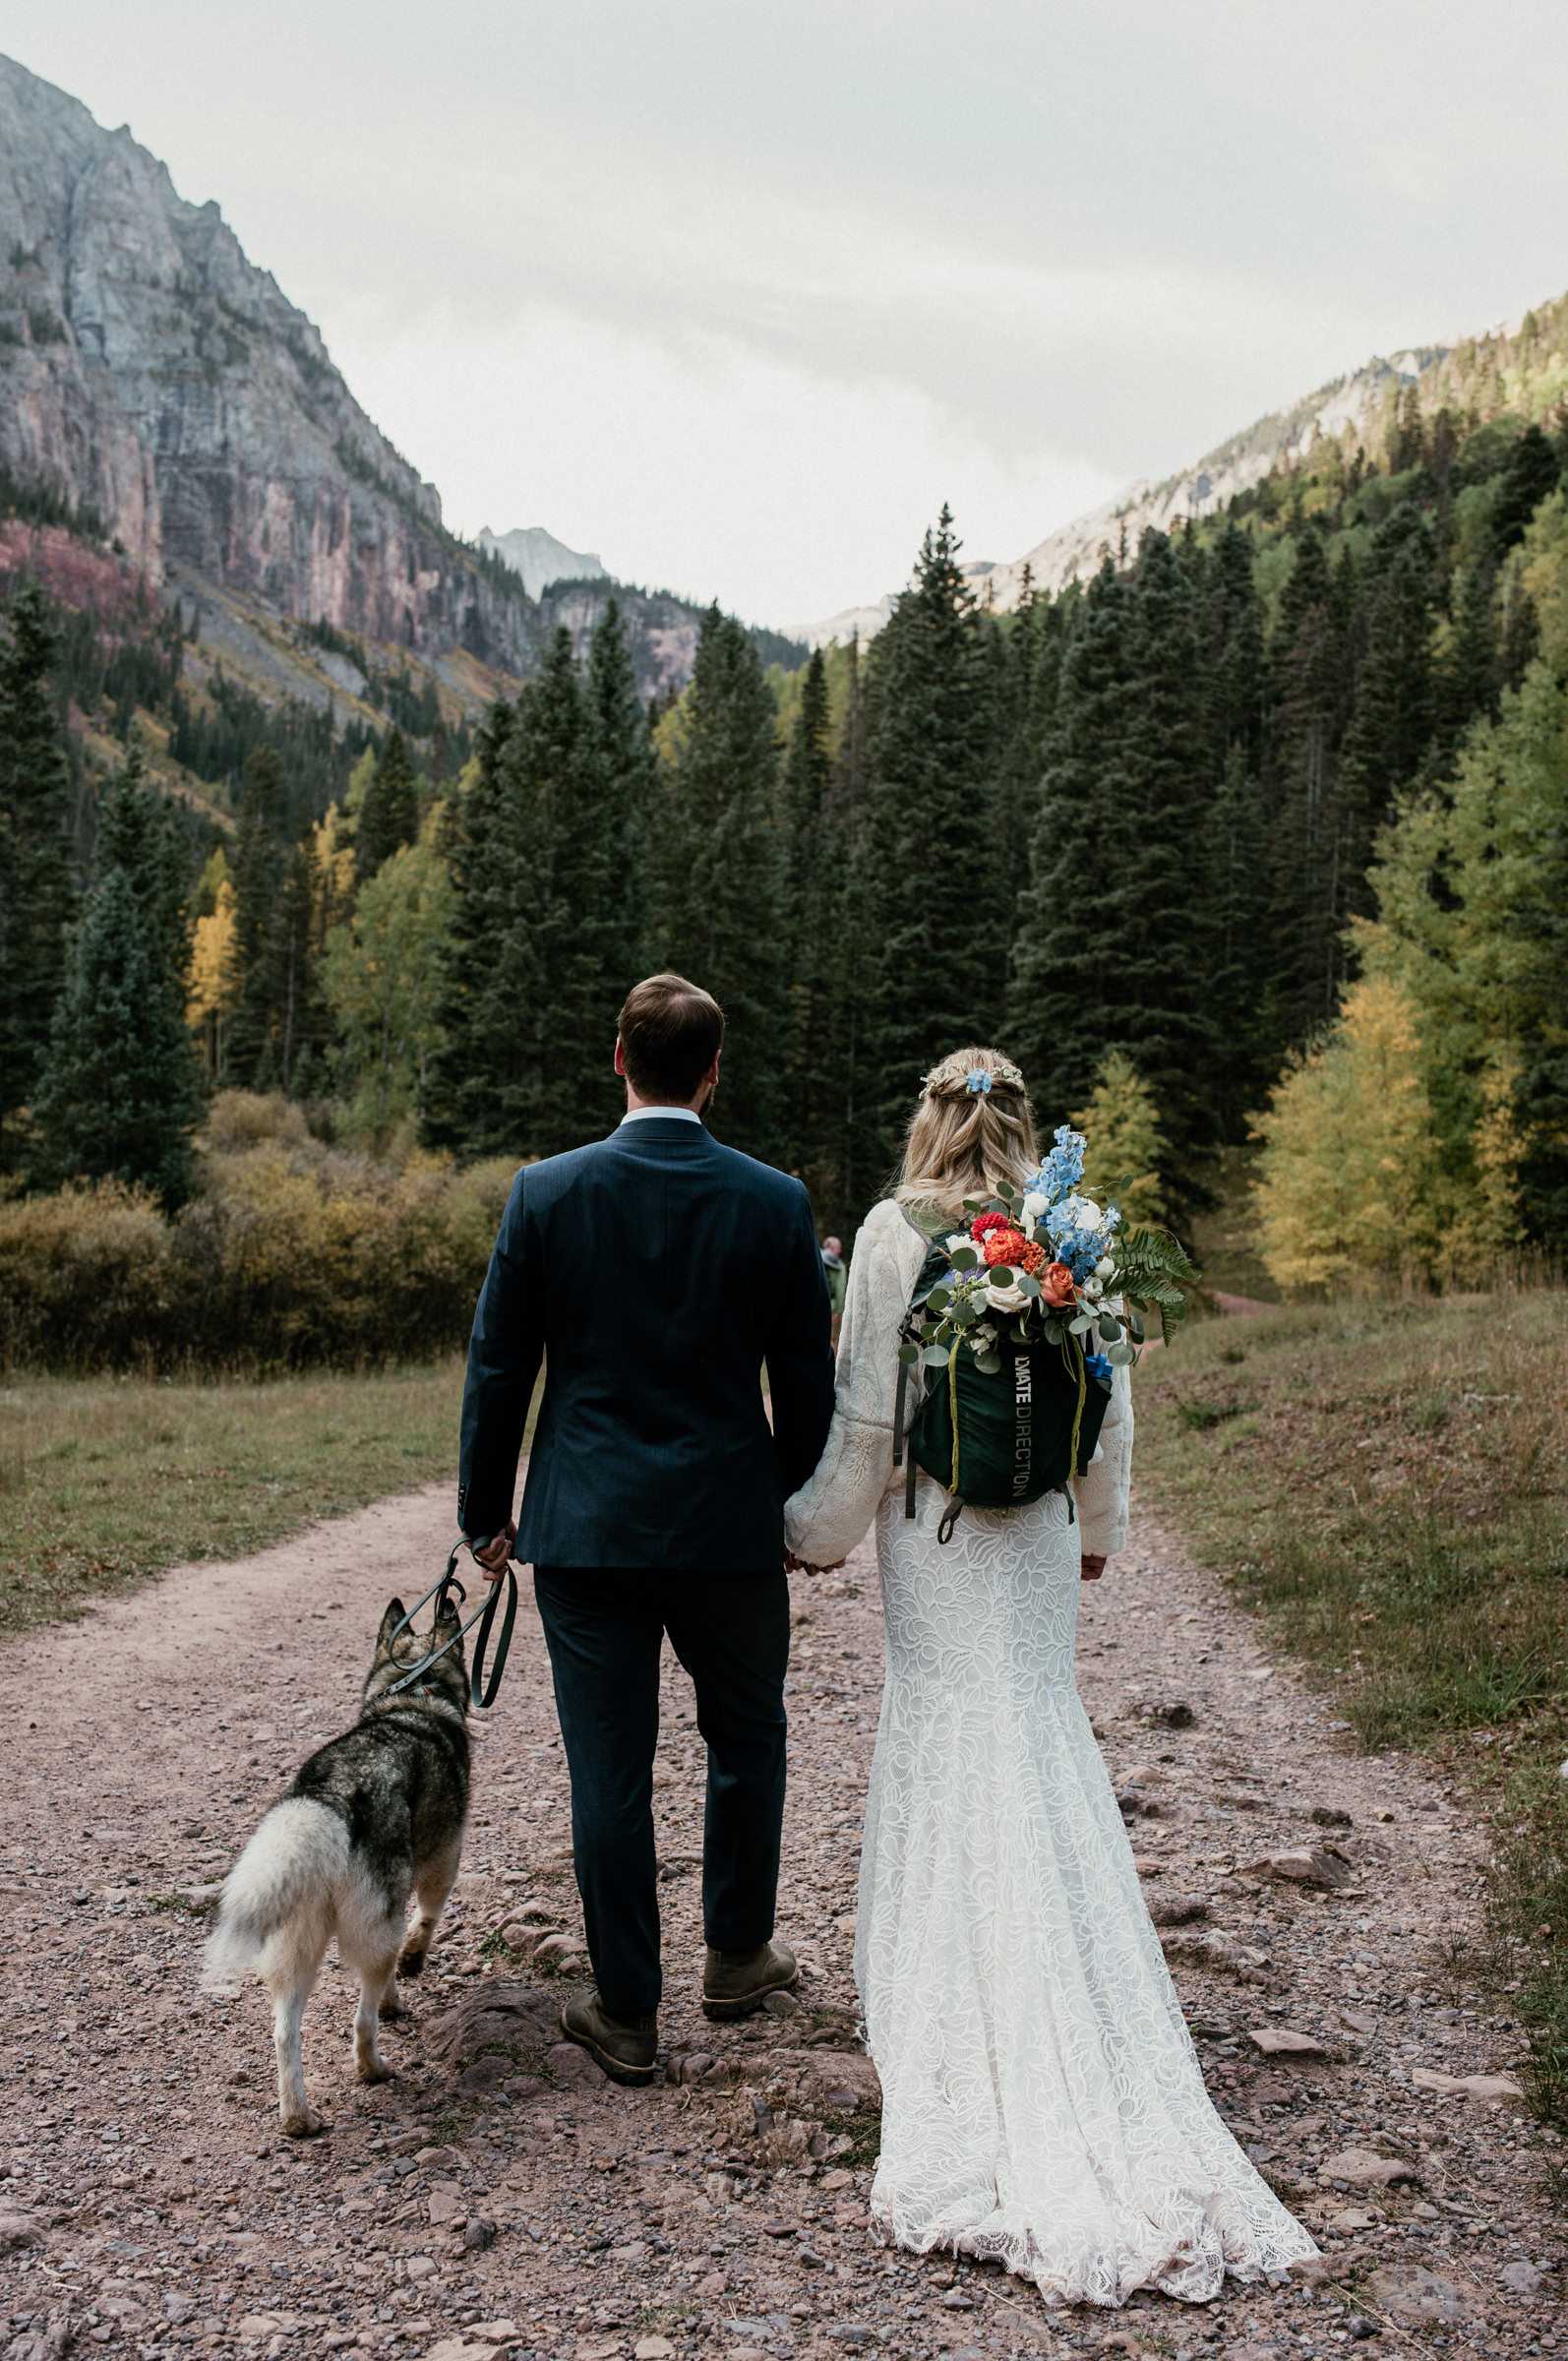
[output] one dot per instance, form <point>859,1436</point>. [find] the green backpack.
<point>1003,1439</point>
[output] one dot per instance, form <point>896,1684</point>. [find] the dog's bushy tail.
<point>283,1884</point>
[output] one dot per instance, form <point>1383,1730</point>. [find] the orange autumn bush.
<point>291,1254</point>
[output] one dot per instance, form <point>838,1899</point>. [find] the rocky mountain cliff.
<point>164,388</point>
<point>539,559</point>
<point>1074,550</point>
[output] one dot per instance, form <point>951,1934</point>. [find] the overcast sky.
<point>735,295</point>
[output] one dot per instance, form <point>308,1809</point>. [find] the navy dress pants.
<point>605,1631</point>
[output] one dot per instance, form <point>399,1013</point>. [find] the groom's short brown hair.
<point>670,1031</point>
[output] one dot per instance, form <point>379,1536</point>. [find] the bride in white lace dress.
<point>1041,2099</point>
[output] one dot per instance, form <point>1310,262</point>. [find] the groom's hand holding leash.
<point>492,1557</point>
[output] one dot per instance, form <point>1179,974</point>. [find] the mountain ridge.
<point>1073,550</point>
<point>536,556</point>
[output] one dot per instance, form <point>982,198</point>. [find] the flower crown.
<point>957,1077</point>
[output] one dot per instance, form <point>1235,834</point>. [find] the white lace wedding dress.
<point>1043,2102</point>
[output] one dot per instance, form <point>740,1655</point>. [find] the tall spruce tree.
<point>36,893</point>
<point>120,1091</point>
<point>389,817</point>
<point>478,1087</point>
<point>1155,944</point>
<point>1391,723</point>
<point>723,878</point>
<point>809,917</point>
<point>936,952</point>
<point>260,873</point>
<point>1057,1026</point>
<point>567,925</point>
<point>622,757</point>
<point>1310,667</point>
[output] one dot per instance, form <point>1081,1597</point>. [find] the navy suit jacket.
<point>655,1273</point>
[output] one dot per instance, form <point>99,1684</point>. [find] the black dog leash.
<point>480,1691</point>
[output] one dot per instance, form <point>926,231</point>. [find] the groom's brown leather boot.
<point>737,1982</point>
<point>625,2052</point>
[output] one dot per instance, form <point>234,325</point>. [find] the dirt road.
<point>497,2198</point>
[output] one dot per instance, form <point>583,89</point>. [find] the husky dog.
<point>370,1817</point>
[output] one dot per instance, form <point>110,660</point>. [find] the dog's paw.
<point>411,1962</point>
<point>303,2124</point>
<point>374,2070</point>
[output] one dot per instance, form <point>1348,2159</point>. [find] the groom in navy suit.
<point>655,1274</point>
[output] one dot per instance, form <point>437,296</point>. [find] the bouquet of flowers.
<point>1045,1264</point>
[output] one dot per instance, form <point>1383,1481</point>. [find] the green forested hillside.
<point>1276,804</point>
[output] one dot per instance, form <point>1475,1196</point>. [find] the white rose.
<point>959,1237</point>
<point>1034,1205</point>
<point>1005,1299</point>
<point>1086,1214</point>
<point>1103,1267</point>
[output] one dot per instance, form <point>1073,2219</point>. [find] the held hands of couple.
<point>804,1565</point>
<point>1092,1566</point>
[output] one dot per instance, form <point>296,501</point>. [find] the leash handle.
<point>480,1692</point>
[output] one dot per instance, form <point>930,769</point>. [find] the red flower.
<point>1032,1260</point>
<point>1002,1245</point>
<point>985,1222</point>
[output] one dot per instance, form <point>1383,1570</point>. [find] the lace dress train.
<point>1041,2099</point>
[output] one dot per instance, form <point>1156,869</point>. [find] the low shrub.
<point>292,1256</point>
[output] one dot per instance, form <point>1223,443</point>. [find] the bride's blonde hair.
<point>971,1134</point>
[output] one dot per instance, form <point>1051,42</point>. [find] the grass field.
<point>1388,1486</point>
<point>105,1481</point>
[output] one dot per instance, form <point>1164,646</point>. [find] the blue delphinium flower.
<point>1062,1170</point>
<point>978,1082</point>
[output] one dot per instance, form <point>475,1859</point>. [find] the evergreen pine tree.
<point>36,880</point>
<point>565,924</point>
<point>388,815</point>
<point>936,969</point>
<point>1310,668</point>
<point>808,910</point>
<point>1532,473</point>
<point>1057,1026</point>
<point>120,1092</point>
<point>1467,679</point>
<point>477,1087</point>
<point>1158,942</point>
<point>622,754</point>
<point>723,885</point>
<point>1391,722</point>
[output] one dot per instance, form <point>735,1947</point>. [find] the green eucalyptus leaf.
<point>1109,1326</point>
<point>966,1258</point>
<point>939,1299</point>
<point>909,1354</point>
<point>1121,1355</point>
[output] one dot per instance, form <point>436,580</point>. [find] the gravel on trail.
<point>499,2198</point>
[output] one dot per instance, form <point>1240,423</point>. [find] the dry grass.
<point>1388,1484</point>
<point>105,1481</point>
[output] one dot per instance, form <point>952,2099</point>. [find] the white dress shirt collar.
<point>676,1115</point>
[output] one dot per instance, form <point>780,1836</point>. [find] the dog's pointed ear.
<point>389,1624</point>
